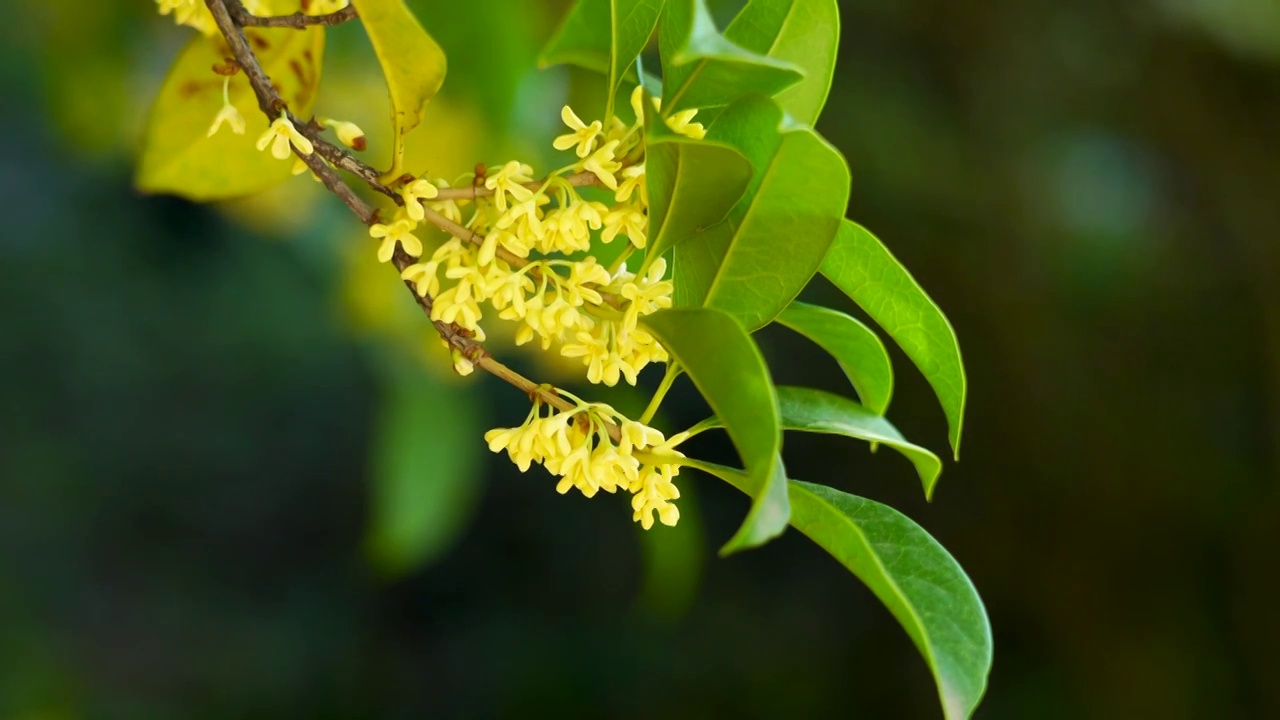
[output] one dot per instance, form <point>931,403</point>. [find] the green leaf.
<point>816,411</point>
<point>859,351</point>
<point>701,68</point>
<point>803,32</point>
<point>424,471</point>
<point>692,184</point>
<point>914,576</point>
<point>859,264</point>
<point>726,366</point>
<point>605,36</point>
<point>810,410</point>
<point>756,262</point>
<point>490,63</point>
<point>412,62</point>
<point>179,157</point>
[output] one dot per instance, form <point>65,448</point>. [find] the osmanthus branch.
<point>297,21</point>
<point>225,14</point>
<point>581,179</point>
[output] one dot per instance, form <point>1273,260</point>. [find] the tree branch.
<point>297,21</point>
<point>225,13</point>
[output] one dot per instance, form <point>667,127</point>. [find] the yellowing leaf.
<point>178,156</point>
<point>414,65</point>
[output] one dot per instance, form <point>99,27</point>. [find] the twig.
<point>271,104</point>
<point>470,193</point>
<point>297,21</point>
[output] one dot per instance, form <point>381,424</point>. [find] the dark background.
<point>194,400</point>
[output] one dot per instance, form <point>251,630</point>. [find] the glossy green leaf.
<point>860,265</point>
<point>692,185</point>
<point>605,36</point>
<point>817,411</point>
<point>425,480</point>
<point>701,68</point>
<point>756,262</point>
<point>726,366</point>
<point>492,63</point>
<point>412,63</point>
<point>855,346</point>
<point>910,572</point>
<point>803,32</point>
<point>178,155</point>
<point>810,410</point>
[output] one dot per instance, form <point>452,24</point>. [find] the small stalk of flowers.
<point>576,446</point>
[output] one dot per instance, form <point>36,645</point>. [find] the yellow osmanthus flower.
<point>461,363</point>
<point>628,219</point>
<point>450,208</point>
<point>633,180</point>
<point>348,132</point>
<point>603,165</point>
<point>228,114</point>
<point>399,231</point>
<point>575,445</point>
<point>509,180</point>
<point>195,14</point>
<point>583,137</point>
<point>681,123</point>
<point>413,193</point>
<point>192,13</point>
<point>280,135</point>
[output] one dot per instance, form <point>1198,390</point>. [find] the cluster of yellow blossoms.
<point>523,248</point>
<point>576,446</point>
<point>194,13</point>
<point>512,250</point>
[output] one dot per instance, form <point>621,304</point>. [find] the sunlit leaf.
<point>859,351</point>
<point>726,366</point>
<point>425,485</point>
<point>179,157</point>
<point>914,576</point>
<point>693,184</point>
<point>756,262</point>
<point>860,265</point>
<point>803,32</point>
<point>412,63</point>
<point>605,36</point>
<point>701,68</point>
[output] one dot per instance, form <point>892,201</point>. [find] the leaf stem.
<point>673,372</point>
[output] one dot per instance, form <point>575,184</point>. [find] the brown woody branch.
<point>226,14</point>
<point>297,21</point>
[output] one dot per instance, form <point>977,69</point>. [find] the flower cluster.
<point>511,249</point>
<point>576,446</point>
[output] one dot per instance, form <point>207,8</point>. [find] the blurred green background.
<point>236,479</point>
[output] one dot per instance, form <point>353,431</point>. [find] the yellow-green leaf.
<point>179,157</point>
<point>412,62</point>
